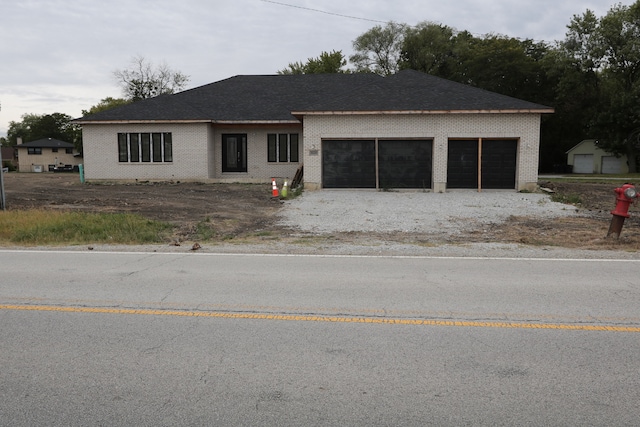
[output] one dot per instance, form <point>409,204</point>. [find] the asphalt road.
<point>202,339</point>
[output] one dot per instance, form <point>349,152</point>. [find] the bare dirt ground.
<point>246,213</point>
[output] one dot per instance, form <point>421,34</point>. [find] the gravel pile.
<point>330,211</point>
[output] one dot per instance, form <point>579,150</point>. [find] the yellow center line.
<point>319,318</point>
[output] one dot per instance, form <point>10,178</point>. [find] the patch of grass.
<point>596,178</point>
<point>292,193</point>
<point>567,199</point>
<point>204,231</point>
<point>45,227</point>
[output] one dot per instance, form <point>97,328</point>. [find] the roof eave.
<point>137,122</point>
<point>398,112</point>
<point>221,122</point>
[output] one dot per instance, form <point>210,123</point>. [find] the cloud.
<point>59,55</point>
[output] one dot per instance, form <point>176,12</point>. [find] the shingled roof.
<point>273,98</point>
<point>46,143</point>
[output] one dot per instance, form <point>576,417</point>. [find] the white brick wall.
<point>197,147</point>
<point>258,168</point>
<point>197,153</point>
<point>189,153</point>
<point>439,127</point>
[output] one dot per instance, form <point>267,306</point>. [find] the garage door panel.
<point>348,164</point>
<point>497,168</point>
<point>499,164</point>
<point>611,164</point>
<point>583,163</point>
<point>462,164</point>
<point>405,163</point>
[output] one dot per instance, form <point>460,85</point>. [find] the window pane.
<point>157,147</point>
<point>272,149</point>
<point>282,147</point>
<point>146,147</point>
<point>168,148</point>
<point>122,148</point>
<point>293,154</point>
<point>135,147</point>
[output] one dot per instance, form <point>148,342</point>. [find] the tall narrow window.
<point>282,147</point>
<point>145,144</point>
<point>134,141</point>
<point>157,146</point>
<point>283,143</point>
<point>168,147</point>
<point>123,155</point>
<point>272,148</point>
<point>293,148</point>
<point>146,147</point>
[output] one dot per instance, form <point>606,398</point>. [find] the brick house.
<point>409,130</point>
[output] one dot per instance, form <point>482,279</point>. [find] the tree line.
<point>591,77</point>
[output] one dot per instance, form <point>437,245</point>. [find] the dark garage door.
<point>462,164</point>
<point>404,163</point>
<point>499,163</point>
<point>352,163</point>
<point>498,167</point>
<point>348,164</point>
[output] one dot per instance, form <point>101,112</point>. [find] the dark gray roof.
<point>275,97</point>
<point>46,143</point>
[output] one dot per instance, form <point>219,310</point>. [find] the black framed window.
<point>282,147</point>
<point>34,150</point>
<point>145,147</point>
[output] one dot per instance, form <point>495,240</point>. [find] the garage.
<point>611,164</point>
<point>583,163</point>
<point>492,161</point>
<point>371,163</point>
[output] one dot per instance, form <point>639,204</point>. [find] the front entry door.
<point>234,152</point>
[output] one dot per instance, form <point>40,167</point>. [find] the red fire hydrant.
<point>625,196</point>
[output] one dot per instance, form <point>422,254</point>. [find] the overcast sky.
<point>59,55</point>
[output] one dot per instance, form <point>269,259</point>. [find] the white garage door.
<point>611,164</point>
<point>583,163</point>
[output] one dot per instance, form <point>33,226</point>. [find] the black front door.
<point>234,152</point>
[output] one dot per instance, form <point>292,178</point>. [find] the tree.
<point>379,49</point>
<point>142,80</point>
<point>431,48</point>
<point>106,104</point>
<point>34,127</point>
<point>607,50</point>
<point>326,63</point>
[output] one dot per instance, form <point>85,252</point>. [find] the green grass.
<point>45,227</point>
<point>567,199</point>
<point>596,179</point>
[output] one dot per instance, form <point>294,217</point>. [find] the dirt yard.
<point>246,213</point>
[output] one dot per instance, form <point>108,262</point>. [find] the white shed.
<point>587,157</point>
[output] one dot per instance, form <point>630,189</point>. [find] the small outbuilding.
<point>588,158</point>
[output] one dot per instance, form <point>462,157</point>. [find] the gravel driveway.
<point>452,212</point>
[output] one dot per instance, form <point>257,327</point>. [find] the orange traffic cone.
<point>274,191</point>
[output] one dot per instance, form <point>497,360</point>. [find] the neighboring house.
<point>46,154</point>
<point>587,157</point>
<point>408,130</point>
<point>9,157</point>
